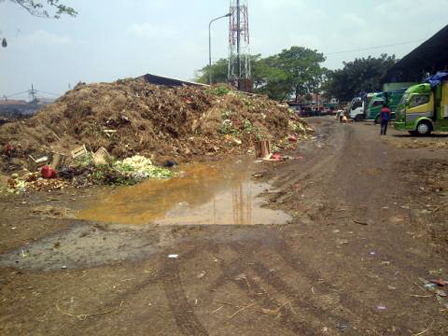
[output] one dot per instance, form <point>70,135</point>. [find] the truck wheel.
<point>359,117</point>
<point>377,120</point>
<point>424,128</point>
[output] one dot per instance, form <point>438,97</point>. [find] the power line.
<point>371,48</point>
<point>17,94</point>
<point>49,93</point>
<point>32,92</point>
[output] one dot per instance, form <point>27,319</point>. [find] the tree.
<point>358,76</point>
<point>302,67</point>
<point>272,81</point>
<point>219,72</point>
<point>38,8</point>
<point>293,72</point>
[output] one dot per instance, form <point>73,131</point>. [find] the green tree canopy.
<point>360,75</point>
<point>303,70</point>
<point>270,79</point>
<point>219,71</point>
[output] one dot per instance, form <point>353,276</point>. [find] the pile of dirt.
<point>129,117</point>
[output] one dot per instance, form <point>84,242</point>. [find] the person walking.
<point>341,115</point>
<point>385,117</point>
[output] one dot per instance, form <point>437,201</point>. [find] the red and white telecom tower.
<point>239,54</point>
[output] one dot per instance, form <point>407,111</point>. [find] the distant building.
<point>12,102</point>
<point>20,108</point>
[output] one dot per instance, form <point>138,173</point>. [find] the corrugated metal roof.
<point>160,80</point>
<point>431,56</point>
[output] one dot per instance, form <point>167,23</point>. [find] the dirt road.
<point>369,226</point>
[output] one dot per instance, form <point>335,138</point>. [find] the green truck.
<point>391,98</point>
<point>424,107</point>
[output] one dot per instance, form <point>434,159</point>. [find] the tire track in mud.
<point>350,303</point>
<point>182,311</point>
<point>316,167</point>
<point>287,317</point>
<point>236,266</point>
<point>304,302</point>
<point>245,261</point>
<point>164,276</point>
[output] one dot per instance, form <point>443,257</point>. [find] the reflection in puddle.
<point>219,193</point>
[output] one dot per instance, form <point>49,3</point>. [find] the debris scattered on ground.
<point>24,253</point>
<point>173,256</point>
<point>275,157</point>
<point>360,222</point>
<point>201,275</point>
<point>433,287</point>
<point>439,282</point>
<point>101,156</point>
<point>48,172</point>
<point>170,163</point>
<point>84,172</point>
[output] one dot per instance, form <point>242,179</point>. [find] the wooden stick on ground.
<point>241,309</point>
<point>424,331</point>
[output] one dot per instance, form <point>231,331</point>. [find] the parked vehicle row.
<point>419,109</point>
<point>368,106</point>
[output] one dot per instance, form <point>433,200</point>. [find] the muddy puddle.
<point>134,223</point>
<point>219,193</point>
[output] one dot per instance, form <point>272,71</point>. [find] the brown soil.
<point>368,222</point>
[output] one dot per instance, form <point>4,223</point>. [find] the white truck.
<point>358,106</point>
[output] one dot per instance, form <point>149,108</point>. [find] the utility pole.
<point>239,72</point>
<point>32,93</point>
<point>210,46</point>
<point>238,38</point>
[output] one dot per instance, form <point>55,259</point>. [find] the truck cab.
<point>357,107</point>
<point>391,98</point>
<point>423,109</point>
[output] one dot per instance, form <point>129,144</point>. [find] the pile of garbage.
<point>139,168</point>
<point>84,172</point>
<point>34,181</point>
<point>130,117</point>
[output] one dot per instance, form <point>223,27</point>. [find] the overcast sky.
<point>112,39</point>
